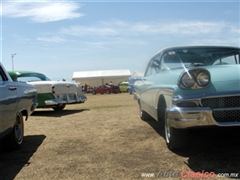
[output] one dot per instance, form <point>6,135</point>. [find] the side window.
<point>28,79</point>
<point>153,66</point>
<point>3,76</point>
<point>234,59</point>
<point>149,69</point>
<point>169,60</point>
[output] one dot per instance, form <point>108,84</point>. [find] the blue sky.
<point>58,38</point>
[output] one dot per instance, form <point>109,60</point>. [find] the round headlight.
<point>203,78</point>
<point>188,80</point>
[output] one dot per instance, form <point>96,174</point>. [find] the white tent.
<point>137,73</point>
<point>97,78</point>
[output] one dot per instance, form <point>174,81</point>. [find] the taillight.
<point>53,91</point>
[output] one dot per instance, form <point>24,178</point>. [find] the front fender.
<point>167,92</point>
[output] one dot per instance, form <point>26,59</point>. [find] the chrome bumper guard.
<point>193,117</point>
<point>68,99</point>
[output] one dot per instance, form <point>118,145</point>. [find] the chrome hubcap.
<point>18,129</point>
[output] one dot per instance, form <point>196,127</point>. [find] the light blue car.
<point>190,86</point>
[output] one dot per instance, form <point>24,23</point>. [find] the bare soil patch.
<point>104,138</point>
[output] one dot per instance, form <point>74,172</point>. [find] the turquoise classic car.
<point>190,86</point>
<point>17,102</point>
<point>51,94</point>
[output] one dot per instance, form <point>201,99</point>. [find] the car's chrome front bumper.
<point>179,117</point>
<point>67,100</point>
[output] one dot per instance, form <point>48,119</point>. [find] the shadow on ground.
<point>212,149</point>
<point>52,113</point>
<point>12,162</point>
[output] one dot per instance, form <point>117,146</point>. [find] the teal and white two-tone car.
<point>190,86</point>
<point>51,94</point>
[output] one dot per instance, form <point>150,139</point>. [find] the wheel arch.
<point>162,105</point>
<point>24,113</point>
<point>164,101</point>
<point>138,100</point>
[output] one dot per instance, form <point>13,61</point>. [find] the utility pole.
<point>12,60</point>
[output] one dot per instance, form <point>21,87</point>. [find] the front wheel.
<point>175,138</point>
<point>59,107</point>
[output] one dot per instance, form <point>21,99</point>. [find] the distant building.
<point>97,78</point>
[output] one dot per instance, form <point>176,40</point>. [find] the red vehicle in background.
<point>105,89</point>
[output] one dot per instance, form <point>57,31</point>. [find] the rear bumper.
<point>76,99</point>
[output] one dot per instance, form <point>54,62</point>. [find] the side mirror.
<point>156,64</point>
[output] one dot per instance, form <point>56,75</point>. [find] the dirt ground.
<point>105,139</point>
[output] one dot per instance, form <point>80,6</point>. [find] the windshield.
<point>32,77</point>
<point>199,57</point>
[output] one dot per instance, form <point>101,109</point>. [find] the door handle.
<point>12,88</point>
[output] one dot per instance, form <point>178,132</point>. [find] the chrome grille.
<point>227,116</point>
<point>221,102</point>
<point>224,102</point>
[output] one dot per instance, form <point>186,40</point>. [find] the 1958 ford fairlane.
<point>51,94</point>
<point>17,102</point>
<point>190,86</point>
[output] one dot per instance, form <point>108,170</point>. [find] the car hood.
<point>225,77</point>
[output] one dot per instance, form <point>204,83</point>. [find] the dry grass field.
<point>105,139</point>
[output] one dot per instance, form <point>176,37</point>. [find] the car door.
<point>8,103</point>
<point>143,88</point>
<point>146,86</point>
<point>102,89</point>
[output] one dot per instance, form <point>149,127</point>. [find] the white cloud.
<point>115,28</point>
<point>119,34</point>
<point>192,27</point>
<point>84,30</point>
<point>99,45</point>
<point>54,39</point>
<point>41,12</point>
